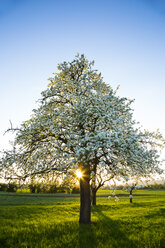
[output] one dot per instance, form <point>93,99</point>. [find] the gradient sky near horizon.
<point>126,38</point>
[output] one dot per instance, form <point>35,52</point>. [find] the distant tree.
<point>82,124</point>
<point>130,187</point>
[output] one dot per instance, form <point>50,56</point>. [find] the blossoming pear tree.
<point>81,124</point>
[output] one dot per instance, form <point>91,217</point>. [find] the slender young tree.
<point>81,124</point>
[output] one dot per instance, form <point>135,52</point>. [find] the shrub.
<point>32,188</point>
<point>52,188</point>
<point>12,187</point>
<point>3,187</point>
<point>75,190</point>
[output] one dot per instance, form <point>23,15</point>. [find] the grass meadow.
<point>49,222</point>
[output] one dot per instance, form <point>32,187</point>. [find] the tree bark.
<point>94,197</point>
<point>93,186</point>
<point>85,201</point>
<point>130,196</point>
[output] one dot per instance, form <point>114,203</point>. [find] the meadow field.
<point>50,222</point>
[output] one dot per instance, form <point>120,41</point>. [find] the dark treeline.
<point>56,188</point>
<point>38,188</point>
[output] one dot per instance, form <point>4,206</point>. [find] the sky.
<point>125,38</point>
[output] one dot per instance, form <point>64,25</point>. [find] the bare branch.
<point>11,129</point>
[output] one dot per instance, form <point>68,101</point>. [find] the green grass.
<point>139,191</point>
<point>40,222</point>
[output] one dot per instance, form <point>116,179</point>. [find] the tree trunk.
<point>85,201</point>
<point>93,186</point>
<point>94,197</point>
<point>130,196</point>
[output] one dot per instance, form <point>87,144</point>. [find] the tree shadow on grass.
<point>110,233</point>
<point>102,233</point>
<point>156,214</point>
<point>87,236</point>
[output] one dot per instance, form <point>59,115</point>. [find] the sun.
<point>78,173</point>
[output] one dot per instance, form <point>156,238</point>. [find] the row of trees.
<point>8,187</point>
<point>82,124</point>
<point>38,188</point>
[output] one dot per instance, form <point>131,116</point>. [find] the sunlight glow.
<point>78,173</point>
<point>60,180</point>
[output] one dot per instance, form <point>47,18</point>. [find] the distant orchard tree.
<point>82,124</point>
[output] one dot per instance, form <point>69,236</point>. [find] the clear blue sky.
<point>126,38</point>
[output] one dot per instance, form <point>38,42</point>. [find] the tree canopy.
<point>82,123</point>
